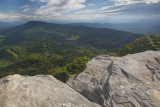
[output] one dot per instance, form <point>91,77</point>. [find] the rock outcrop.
<point>129,81</point>
<point>39,91</point>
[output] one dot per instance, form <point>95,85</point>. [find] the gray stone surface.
<point>39,91</point>
<point>129,81</point>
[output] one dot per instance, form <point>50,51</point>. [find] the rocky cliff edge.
<point>129,81</point>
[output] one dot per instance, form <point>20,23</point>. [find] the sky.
<point>102,11</point>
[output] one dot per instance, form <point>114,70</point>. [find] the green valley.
<point>56,49</point>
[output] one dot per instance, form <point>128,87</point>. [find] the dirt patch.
<point>156,96</point>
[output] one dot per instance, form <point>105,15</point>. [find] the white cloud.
<point>56,7</point>
<point>91,4</point>
<point>87,11</point>
<point>60,10</point>
<point>151,1</point>
<point>2,15</point>
<point>26,8</point>
<point>101,11</point>
<point>125,2</point>
<point>106,7</point>
<point>129,2</point>
<point>12,16</point>
<point>114,10</point>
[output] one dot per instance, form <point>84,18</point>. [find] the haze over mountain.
<point>142,28</point>
<point>95,37</point>
<point>5,25</point>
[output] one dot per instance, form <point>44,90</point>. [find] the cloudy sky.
<point>80,10</point>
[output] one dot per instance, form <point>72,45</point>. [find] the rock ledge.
<point>39,91</point>
<point>129,81</point>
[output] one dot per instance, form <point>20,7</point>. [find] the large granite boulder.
<point>39,91</point>
<point>129,81</point>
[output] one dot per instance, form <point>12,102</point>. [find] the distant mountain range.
<point>143,28</point>
<point>79,34</point>
<point>4,25</point>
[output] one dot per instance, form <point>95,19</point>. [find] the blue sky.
<point>103,11</point>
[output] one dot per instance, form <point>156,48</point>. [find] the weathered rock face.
<point>39,91</point>
<point>129,81</point>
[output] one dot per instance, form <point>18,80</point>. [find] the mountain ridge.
<point>87,35</point>
<point>5,25</point>
<point>141,28</point>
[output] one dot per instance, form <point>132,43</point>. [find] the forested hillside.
<point>147,42</point>
<point>60,50</point>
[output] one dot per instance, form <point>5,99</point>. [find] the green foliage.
<point>6,55</point>
<point>60,74</point>
<point>48,59</point>
<point>147,42</point>
<point>112,54</point>
<point>4,63</point>
<point>75,67</point>
<point>12,53</point>
<point>18,50</point>
<point>78,65</point>
<point>73,37</point>
<point>2,37</point>
<point>28,66</point>
<point>61,50</point>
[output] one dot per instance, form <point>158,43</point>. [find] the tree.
<point>147,42</point>
<point>78,65</point>
<point>60,74</point>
